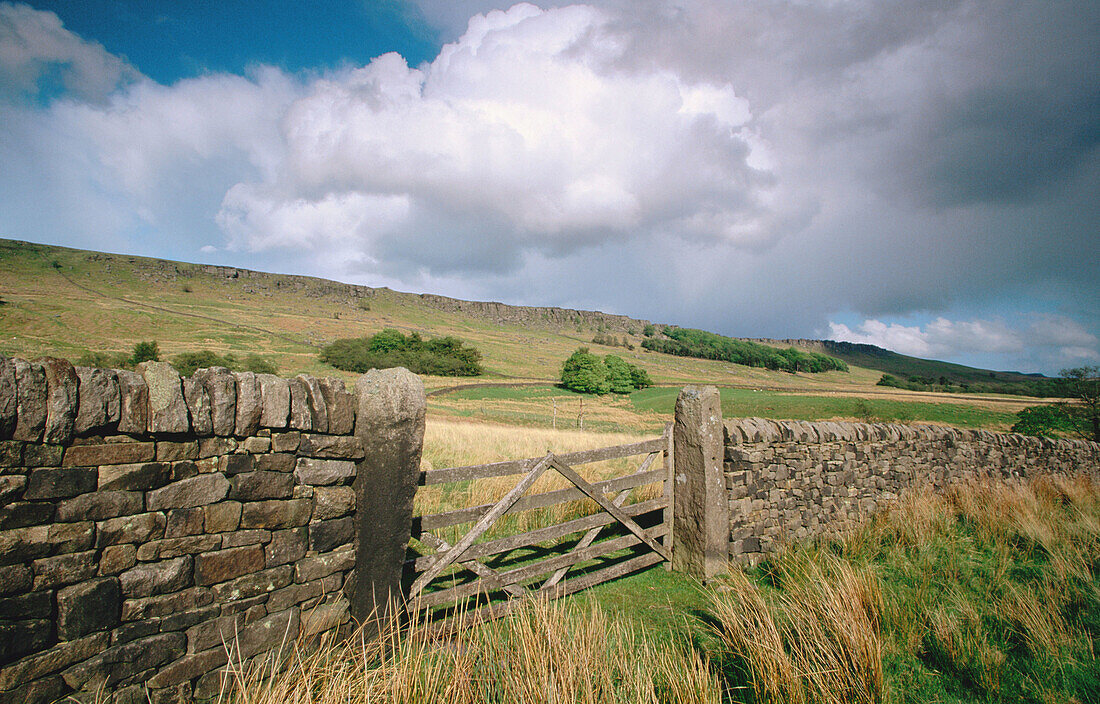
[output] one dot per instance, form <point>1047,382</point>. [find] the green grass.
<point>741,403</point>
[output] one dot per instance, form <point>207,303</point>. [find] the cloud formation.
<point>753,168</point>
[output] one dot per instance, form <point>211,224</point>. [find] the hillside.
<point>68,302</point>
<point>903,367</point>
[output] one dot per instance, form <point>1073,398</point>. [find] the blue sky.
<point>922,176</point>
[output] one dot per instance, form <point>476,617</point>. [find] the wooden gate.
<point>623,526</point>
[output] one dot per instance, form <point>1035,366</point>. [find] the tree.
<point>619,374</point>
<point>146,352</point>
<point>1082,384</point>
<point>586,373</point>
<point>1043,421</point>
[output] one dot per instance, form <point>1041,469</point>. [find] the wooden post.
<point>700,502</point>
<point>390,424</point>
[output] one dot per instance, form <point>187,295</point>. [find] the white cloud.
<point>1046,339</point>
<point>33,44</point>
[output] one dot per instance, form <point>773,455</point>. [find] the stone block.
<point>19,638</point>
<point>165,605</point>
<point>188,668</point>
<point>24,544</point>
<point>196,491</point>
<point>237,538</point>
<point>117,558</point>
<point>174,547</point>
<point>137,528</point>
<point>43,691</point>
<point>149,579</point>
<point>256,486</point>
<point>71,537</point>
<point>286,442</point>
<point>222,389</point>
<point>320,472</point>
<point>332,502</point>
<point>57,571</point>
<point>276,462</point>
<point>286,546</point>
<point>315,401</point>
<point>187,619</point>
<point>88,607</point>
<point>185,469</point>
<point>33,605</point>
<point>344,447</point>
<point>185,521</point>
<point>35,455</point>
<point>100,505</point>
<point>249,408</point>
<point>15,579</point>
<point>134,477</point>
<point>341,406</point>
<point>110,453</point>
<point>274,400</point>
<point>312,568</point>
<point>236,464</point>
<point>20,514</point>
<point>176,451</point>
<point>61,400</point>
<point>224,565</point>
<point>167,409</point>
<point>198,406</point>
<point>265,634</point>
<point>30,401</point>
<point>121,662</point>
<point>60,483</point>
<point>11,453</point>
<point>134,404</point>
<point>99,401</point>
<point>324,617</point>
<point>328,535</point>
<point>9,401</point>
<point>257,445</point>
<point>50,661</point>
<point>300,416</point>
<point>222,517</point>
<point>276,514</point>
<point>213,447</point>
<point>254,585</point>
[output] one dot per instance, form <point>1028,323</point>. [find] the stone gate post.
<point>700,514</point>
<point>390,424</point>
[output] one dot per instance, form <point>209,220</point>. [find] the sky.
<point>919,175</point>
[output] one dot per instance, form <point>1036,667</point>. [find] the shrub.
<point>105,360</point>
<point>441,356</point>
<point>186,363</point>
<point>146,352</point>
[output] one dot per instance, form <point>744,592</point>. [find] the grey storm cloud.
<point>758,167</point>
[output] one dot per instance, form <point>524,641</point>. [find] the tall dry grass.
<point>543,653</point>
<point>453,444</point>
<point>816,640</point>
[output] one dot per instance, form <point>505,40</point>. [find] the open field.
<point>68,302</point>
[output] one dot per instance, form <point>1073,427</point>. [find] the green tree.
<point>146,352</point>
<point>1082,384</point>
<point>586,373</point>
<point>619,374</point>
<point>1044,421</point>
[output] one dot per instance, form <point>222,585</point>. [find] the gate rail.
<point>445,575</point>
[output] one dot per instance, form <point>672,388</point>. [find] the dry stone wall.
<point>151,527</point>
<point>789,480</point>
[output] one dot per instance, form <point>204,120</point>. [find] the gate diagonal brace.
<point>480,569</point>
<point>617,513</point>
<point>590,536</point>
<point>483,525</point>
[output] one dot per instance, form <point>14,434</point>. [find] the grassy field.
<point>69,302</point>
<point>985,594</point>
